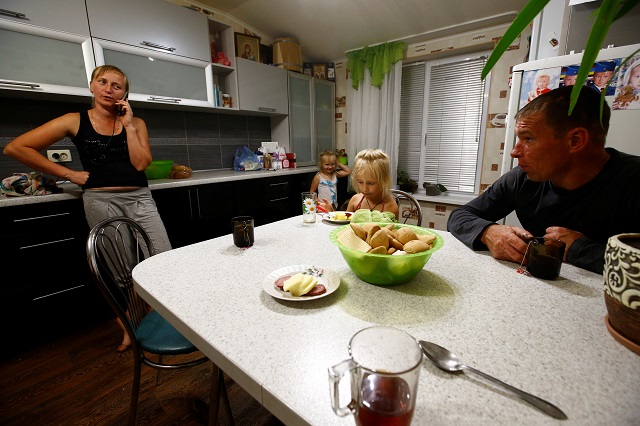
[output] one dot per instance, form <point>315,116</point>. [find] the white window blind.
<point>445,101</point>
<point>411,113</point>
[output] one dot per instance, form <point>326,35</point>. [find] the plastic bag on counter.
<point>32,183</point>
<point>245,160</point>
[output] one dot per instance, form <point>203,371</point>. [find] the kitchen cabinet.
<point>51,292</point>
<point>149,24</point>
<point>55,33</point>
<point>261,87</point>
<point>311,117</point>
<point>168,67</point>
<point>195,213</point>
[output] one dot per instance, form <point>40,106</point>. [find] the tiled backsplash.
<point>200,140</point>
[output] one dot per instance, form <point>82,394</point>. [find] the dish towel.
<point>32,183</point>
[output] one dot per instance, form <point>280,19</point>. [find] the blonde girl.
<point>325,182</point>
<point>372,180</point>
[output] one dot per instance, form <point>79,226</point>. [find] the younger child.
<point>326,180</point>
<point>372,180</point>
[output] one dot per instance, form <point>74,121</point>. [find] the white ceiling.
<point>326,29</point>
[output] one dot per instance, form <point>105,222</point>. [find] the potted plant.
<point>621,289</point>
<point>434,188</point>
<point>405,183</point>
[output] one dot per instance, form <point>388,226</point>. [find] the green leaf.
<point>626,7</point>
<point>524,18</point>
<point>604,18</point>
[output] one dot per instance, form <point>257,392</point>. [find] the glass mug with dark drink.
<point>384,367</point>
<point>242,231</point>
<point>545,257</point>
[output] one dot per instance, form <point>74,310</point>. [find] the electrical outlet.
<point>59,155</point>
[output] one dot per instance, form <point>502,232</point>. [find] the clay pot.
<point>622,288</point>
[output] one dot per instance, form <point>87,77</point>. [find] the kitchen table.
<point>545,337</point>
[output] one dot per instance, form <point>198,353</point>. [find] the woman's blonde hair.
<point>102,70</point>
<point>374,163</point>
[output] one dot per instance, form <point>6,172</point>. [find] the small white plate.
<point>327,277</point>
<point>329,218</point>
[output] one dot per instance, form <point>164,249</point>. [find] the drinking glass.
<point>309,203</point>
<point>384,367</point>
<point>545,257</point>
<point>242,231</point>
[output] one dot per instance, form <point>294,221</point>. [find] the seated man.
<point>567,185</point>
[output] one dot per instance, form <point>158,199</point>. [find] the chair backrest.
<point>414,212</point>
<point>114,247</point>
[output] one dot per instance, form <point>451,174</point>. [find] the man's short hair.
<point>554,107</point>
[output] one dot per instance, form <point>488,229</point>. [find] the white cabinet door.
<point>301,119</point>
<point>40,60</point>
<point>63,15</point>
<point>311,117</point>
<point>155,24</point>
<point>159,77</point>
<point>324,115</point>
<point>261,87</point>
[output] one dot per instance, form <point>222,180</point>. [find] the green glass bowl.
<point>384,269</point>
<point>158,169</point>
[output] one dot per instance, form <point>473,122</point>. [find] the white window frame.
<point>428,65</point>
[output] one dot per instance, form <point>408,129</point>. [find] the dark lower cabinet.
<point>46,290</point>
<point>200,212</point>
<point>195,213</point>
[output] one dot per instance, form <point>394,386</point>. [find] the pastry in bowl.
<point>375,266</point>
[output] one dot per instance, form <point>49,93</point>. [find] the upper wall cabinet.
<point>311,117</point>
<point>45,47</point>
<point>63,15</point>
<point>153,24</point>
<point>261,87</point>
<point>163,48</point>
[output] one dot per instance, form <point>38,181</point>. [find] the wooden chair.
<point>114,247</point>
<point>415,210</point>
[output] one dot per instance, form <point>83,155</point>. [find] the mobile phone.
<point>119,109</point>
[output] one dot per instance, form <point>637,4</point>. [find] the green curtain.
<point>377,59</point>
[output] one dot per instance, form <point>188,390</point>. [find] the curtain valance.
<point>377,59</point>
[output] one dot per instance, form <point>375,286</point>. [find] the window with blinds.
<point>440,122</point>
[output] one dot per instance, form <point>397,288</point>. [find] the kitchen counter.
<point>71,191</point>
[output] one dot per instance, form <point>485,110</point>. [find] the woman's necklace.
<point>113,130</point>
<point>95,126</point>
<point>374,207</point>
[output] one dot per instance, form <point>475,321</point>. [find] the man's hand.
<point>506,242</point>
<point>563,234</point>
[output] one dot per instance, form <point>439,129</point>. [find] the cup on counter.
<point>309,204</point>
<point>242,231</point>
<point>545,257</point>
<point>384,368</point>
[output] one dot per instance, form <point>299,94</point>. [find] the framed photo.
<point>320,71</point>
<point>247,47</point>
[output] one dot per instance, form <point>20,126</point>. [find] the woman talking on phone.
<point>114,151</point>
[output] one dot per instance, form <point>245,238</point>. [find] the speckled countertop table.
<point>545,337</point>
<point>71,191</point>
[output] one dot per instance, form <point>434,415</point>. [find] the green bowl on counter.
<point>385,269</point>
<point>158,169</point>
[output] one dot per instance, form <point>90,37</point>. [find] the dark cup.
<point>242,231</point>
<point>545,257</point>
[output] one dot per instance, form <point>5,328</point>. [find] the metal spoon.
<point>448,361</point>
